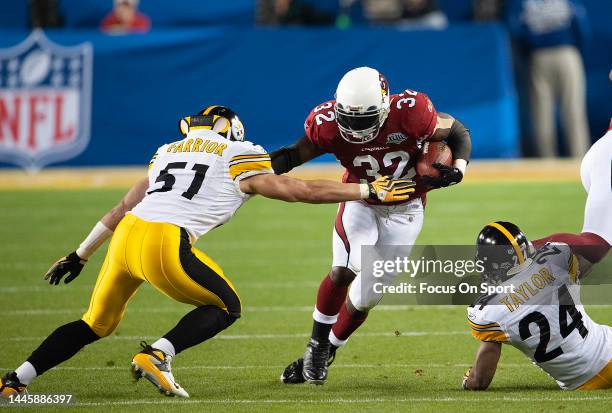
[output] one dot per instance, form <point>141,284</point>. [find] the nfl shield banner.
<point>45,101</point>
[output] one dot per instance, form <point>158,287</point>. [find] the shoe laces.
<point>320,353</point>
<point>164,363</point>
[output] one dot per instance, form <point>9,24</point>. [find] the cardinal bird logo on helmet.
<point>384,85</point>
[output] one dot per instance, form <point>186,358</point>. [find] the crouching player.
<point>193,186</point>
<point>543,318</point>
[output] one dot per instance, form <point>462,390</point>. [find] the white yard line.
<point>274,367</point>
<point>341,400</point>
<point>253,309</point>
<point>265,336</point>
<point>248,309</point>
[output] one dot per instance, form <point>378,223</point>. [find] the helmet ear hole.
<point>184,125</point>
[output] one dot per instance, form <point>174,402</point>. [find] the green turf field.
<point>276,254</point>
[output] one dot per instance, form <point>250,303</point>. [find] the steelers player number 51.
<point>169,180</point>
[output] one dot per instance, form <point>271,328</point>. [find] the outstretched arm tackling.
<point>481,375</point>
<point>73,263</point>
<point>290,189</point>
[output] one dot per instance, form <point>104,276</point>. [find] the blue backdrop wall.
<point>143,84</point>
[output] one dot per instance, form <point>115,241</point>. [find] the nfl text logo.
<point>45,101</point>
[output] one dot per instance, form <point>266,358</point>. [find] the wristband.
<point>364,190</point>
<point>96,237</point>
<point>460,164</point>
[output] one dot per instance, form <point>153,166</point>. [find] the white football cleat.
<point>154,365</point>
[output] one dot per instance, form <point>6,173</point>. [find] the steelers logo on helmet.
<point>362,104</point>
<point>237,129</point>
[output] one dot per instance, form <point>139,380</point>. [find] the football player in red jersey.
<point>371,133</point>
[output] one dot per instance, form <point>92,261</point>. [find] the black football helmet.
<point>209,118</point>
<point>501,246</point>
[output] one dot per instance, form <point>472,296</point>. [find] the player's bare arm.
<point>73,263</point>
<point>479,377</point>
<point>290,189</point>
<point>288,157</point>
<point>129,201</point>
<point>458,139</point>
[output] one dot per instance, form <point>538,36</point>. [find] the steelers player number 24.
<point>541,355</point>
<point>169,180</point>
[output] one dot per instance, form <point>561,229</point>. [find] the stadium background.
<point>198,55</point>
<point>405,357</point>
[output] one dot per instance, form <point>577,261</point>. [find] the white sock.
<point>165,346</point>
<point>335,340</point>
<point>26,373</point>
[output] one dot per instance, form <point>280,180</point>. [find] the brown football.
<point>433,152</point>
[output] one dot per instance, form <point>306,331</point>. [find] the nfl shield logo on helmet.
<point>45,101</point>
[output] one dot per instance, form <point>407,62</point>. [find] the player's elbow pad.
<point>285,159</point>
<point>459,141</point>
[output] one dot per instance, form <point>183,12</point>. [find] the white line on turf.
<point>251,309</point>
<point>268,366</point>
<point>268,336</point>
<point>43,288</point>
<point>247,309</point>
<point>349,401</point>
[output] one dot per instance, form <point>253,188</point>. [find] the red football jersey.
<point>412,119</point>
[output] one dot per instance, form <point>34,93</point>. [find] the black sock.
<point>320,331</point>
<point>197,326</point>
<point>61,345</point>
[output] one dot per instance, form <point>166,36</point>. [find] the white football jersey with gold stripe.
<point>194,182</point>
<point>545,320</point>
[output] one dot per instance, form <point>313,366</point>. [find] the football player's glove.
<point>390,190</point>
<point>449,176</point>
<point>71,263</point>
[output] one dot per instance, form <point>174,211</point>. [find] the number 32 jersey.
<point>411,120</point>
<point>544,319</point>
<point>194,182</point>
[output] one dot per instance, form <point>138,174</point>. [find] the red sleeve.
<point>312,132</point>
<point>320,125</point>
<point>419,120</point>
<point>590,246</point>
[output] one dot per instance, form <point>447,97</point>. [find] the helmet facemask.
<point>360,126</point>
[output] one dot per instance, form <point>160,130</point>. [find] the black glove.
<point>71,263</point>
<point>449,176</point>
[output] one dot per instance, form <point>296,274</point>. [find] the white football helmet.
<point>362,104</point>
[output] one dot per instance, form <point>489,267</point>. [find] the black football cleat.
<point>316,358</point>
<point>293,373</point>
<point>11,386</point>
